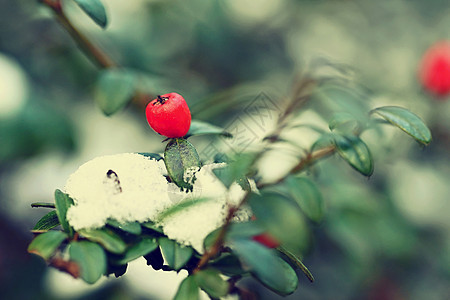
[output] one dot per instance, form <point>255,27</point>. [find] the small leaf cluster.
<point>95,252</point>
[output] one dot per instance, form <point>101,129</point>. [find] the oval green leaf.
<point>114,90</point>
<point>62,203</point>
<point>91,259</point>
<point>182,162</point>
<point>142,248</point>
<point>105,237</point>
<point>354,151</point>
<point>175,255</point>
<point>46,243</point>
<point>47,222</point>
<point>307,196</point>
<point>210,281</point>
<point>282,218</point>
<point>406,121</point>
<point>188,290</point>
<point>266,266</point>
<point>203,128</point>
<point>95,10</point>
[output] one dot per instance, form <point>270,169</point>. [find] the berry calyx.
<point>267,240</point>
<point>169,115</point>
<point>434,72</point>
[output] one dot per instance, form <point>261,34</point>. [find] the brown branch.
<point>68,267</point>
<point>100,58</point>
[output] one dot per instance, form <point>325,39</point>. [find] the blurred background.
<point>383,238</point>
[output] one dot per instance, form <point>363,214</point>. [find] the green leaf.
<point>43,204</point>
<point>282,218</point>
<point>266,266</point>
<point>307,196</point>
<point>228,264</point>
<point>62,203</point>
<point>155,156</point>
<point>294,259</point>
<point>175,255</point>
<point>188,290</point>
<point>46,243</point>
<point>202,128</point>
<point>91,259</point>
<point>142,248</point>
<point>406,121</point>
<point>47,222</point>
<point>235,170</point>
<point>210,281</point>
<point>114,90</point>
<point>105,237</point>
<point>131,227</point>
<point>95,10</point>
<point>353,150</point>
<point>182,162</point>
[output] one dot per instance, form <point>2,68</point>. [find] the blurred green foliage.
<point>220,56</point>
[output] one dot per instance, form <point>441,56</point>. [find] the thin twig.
<point>99,57</point>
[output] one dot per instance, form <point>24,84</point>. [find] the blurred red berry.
<point>169,115</point>
<point>266,240</point>
<point>434,72</point>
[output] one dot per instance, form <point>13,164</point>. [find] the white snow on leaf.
<point>131,187</point>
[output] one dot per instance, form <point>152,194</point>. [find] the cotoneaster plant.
<point>217,221</point>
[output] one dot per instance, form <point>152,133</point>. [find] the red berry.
<point>434,72</point>
<point>169,115</point>
<point>267,240</point>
